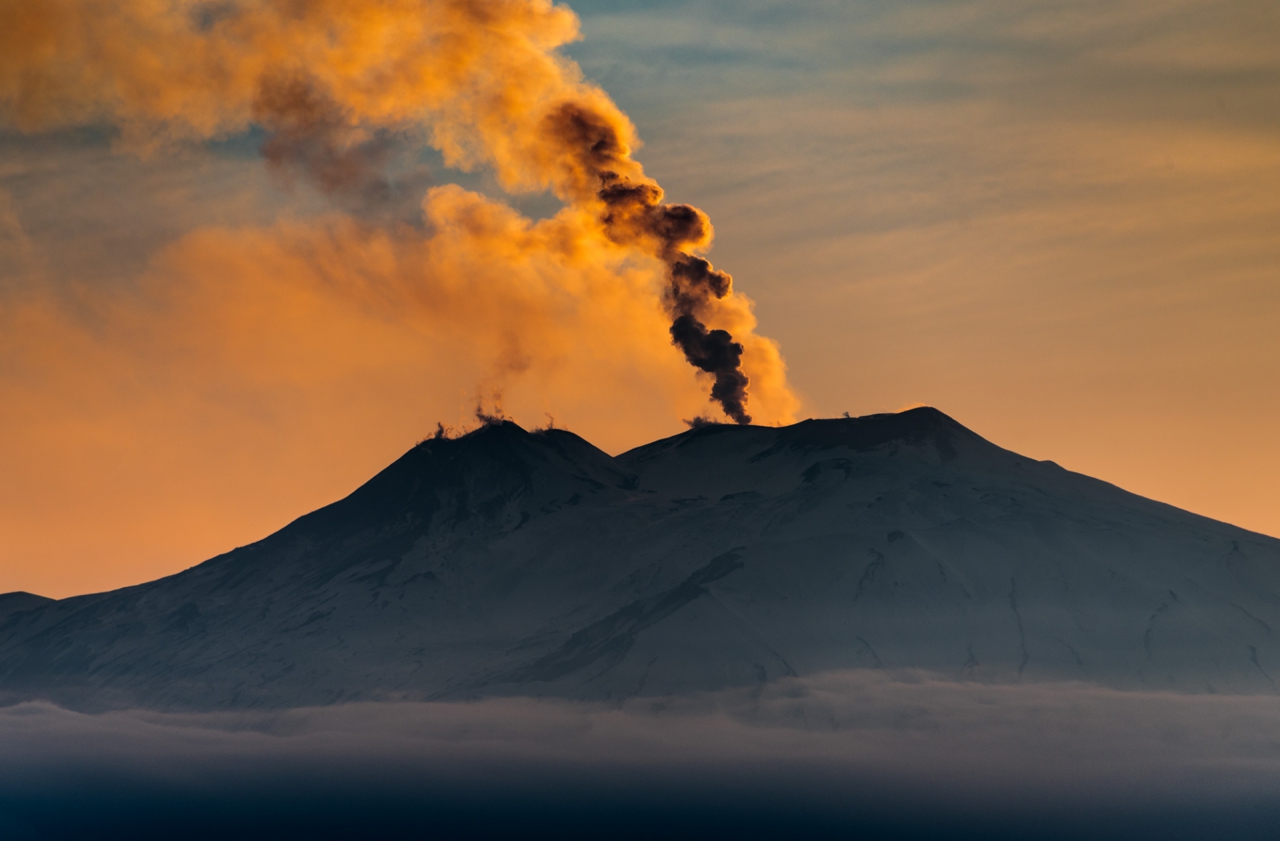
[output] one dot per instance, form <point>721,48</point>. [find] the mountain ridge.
<point>514,562</point>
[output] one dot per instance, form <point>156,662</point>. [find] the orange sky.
<point>1057,223</point>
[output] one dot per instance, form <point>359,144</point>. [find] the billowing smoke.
<point>308,134</point>
<point>633,213</point>
<point>336,84</point>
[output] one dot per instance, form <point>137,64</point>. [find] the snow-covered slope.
<point>509,562</point>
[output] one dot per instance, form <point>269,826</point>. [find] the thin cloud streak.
<point>1056,219</point>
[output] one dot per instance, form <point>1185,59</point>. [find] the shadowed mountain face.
<point>508,562</point>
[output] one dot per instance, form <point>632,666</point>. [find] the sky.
<point>1054,221</point>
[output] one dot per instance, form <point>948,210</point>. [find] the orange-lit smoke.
<point>334,82</point>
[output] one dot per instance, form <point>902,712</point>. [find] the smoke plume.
<point>307,133</point>
<point>335,84</point>
<point>633,213</point>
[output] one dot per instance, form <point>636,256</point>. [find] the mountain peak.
<point>923,426</point>
<point>491,432</point>
<point>469,474</point>
<point>494,427</point>
<point>11,603</point>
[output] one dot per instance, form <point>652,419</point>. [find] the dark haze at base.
<point>526,800</point>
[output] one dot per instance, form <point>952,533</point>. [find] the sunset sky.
<point>1058,222</point>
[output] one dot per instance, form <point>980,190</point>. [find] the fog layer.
<point>900,754</point>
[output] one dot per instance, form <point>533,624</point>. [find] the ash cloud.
<point>332,83</point>
<point>309,134</point>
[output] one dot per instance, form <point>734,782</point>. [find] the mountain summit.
<point>511,562</point>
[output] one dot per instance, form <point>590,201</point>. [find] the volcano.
<point>509,562</point>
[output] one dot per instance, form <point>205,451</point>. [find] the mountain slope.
<point>509,562</point>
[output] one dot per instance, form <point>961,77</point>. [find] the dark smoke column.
<point>693,280</point>
<point>632,213</point>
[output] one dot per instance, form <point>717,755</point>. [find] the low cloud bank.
<point>835,753</point>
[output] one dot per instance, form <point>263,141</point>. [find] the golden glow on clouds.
<point>234,336</point>
<point>1055,221</point>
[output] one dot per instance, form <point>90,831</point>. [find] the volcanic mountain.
<point>508,562</point>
